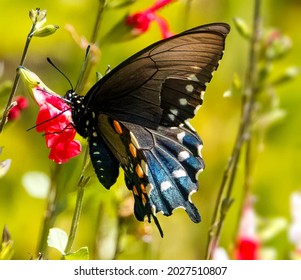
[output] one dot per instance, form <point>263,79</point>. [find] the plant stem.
<point>90,60</point>
<point>50,214</point>
<point>223,204</point>
<point>17,78</point>
<point>101,7</point>
<point>84,180</point>
<point>77,212</point>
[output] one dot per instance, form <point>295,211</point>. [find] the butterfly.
<point>137,117</point>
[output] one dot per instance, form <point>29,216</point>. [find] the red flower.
<point>54,119</point>
<point>14,112</point>
<point>248,244</point>
<point>247,249</point>
<point>141,21</point>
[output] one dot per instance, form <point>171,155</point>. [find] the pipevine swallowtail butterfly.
<point>137,116</point>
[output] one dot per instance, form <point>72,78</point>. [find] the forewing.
<point>162,84</point>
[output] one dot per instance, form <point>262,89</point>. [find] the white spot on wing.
<point>179,173</point>
<point>190,195</point>
<point>183,101</point>
<point>180,136</point>
<point>174,111</point>
<point>193,77</point>
<point>198,173</point>
<point>189,125</point>
<point>171,117</point>
<point>144,167</point>
<point>189,88</point>
<point>200,147</point>
<point>134,140</point>
<point>165,186</point>
<point>202,94</point>
<point>183,156</point>
<point>196,109</point>
<point>149,188</point>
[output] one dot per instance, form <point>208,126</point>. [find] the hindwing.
<point>160,166</point>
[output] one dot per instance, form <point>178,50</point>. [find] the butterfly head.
<point>81,115</point>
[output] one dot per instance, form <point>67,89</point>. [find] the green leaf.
<point>81,254</point>
<point>272,227</point>
<point>289,74</point>
<point>7,250</point>
<point>7,245</point>
<point>270,118</point>
<point>242,27</point>
<point>116,4</point>
<point>57,239</point>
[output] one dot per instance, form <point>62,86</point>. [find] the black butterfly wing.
<point>160,166</point>
<point>105,164</point>
<point>162,84</point>
<point>139,109</point>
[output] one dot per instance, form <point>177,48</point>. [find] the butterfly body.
<point>137,117</point>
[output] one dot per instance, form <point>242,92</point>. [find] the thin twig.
<point>51,211</point>
<point>78,207</point>
<point>83,180</point>
<point>223,204</point>
<point>85,74</point>
<point>17,77</point>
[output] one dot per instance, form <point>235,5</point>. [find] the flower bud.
<point>30,79</point>
<point>242,27</point>
<point>45,31</point>
<point>38,17</point>
<point>277,45</point>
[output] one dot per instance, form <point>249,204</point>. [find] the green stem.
<point>51,212</point>
<point>85,72</point>
<point>17,78</point>
<point>223,204</point>
<point>77,212</point>
<point>88,65</point>
<point>101,7</point>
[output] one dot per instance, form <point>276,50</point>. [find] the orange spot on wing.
<point>117,127</point>
<point>133,150</point>
<point>142,187</point>
<point>139,171</point>
<point>135,190</point>
<point>143,199</point>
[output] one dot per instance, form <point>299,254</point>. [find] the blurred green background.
<point>276,171</point>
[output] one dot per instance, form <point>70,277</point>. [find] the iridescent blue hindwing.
<point>161,168</point>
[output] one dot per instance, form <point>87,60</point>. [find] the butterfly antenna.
<point>45,121</point>
<point>60,71</point>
